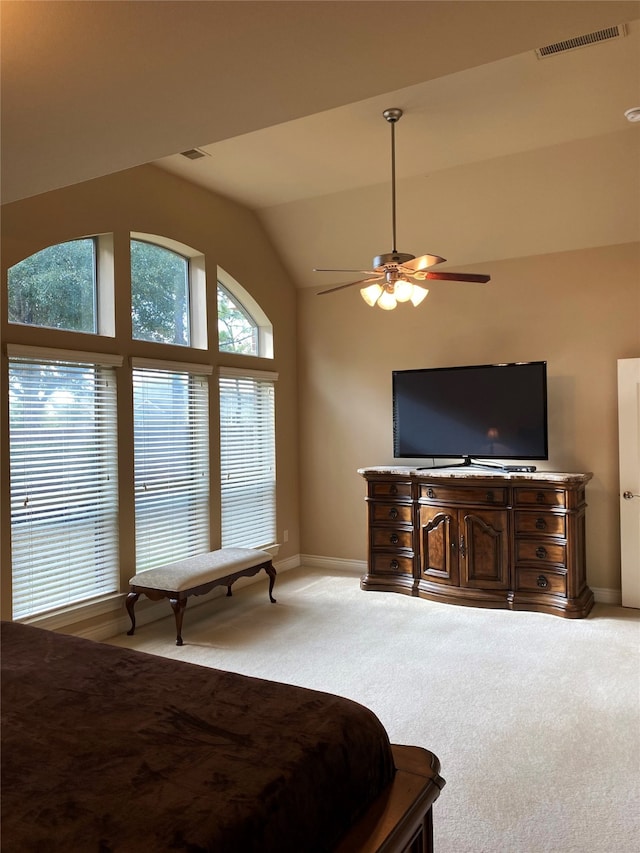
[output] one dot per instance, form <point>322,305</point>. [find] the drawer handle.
<point>490,497</point>
<point>393,512</point>
<point>542,582</point>
<point>394,539</point>
<point>431,493</point>
<point>541,524</point>
<point>394,564</point>
<point>393,490</point>
<point>541,553</point>
<point>540,498</point>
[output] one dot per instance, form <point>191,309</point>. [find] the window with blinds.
<point>64,503</point>
<point>171,461</point>
<point>247,458</point>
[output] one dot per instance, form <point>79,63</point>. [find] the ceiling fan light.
<point>418,295</point>
<point>403,290</point>
<point>371,294</point>
<point>387,301</point>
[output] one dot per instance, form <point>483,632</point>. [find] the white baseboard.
<point>352,567</point>
<point>110,618</point>
<point>606,596</point>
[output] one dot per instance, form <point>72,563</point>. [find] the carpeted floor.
<point>535,718</point>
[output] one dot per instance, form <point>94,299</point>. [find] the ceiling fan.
<point>393,275</point>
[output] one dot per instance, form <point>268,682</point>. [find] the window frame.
<point>107,400</point>
<point>251,309</point>
<point>199,534</point>
<point>246,520</point>
<point>104,289</point>
<point>196,285</point>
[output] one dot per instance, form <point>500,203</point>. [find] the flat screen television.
<point>488,411</point>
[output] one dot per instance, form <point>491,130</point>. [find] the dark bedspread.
<point>108,749</point>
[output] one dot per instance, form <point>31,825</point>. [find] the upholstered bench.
<point>196,576</point>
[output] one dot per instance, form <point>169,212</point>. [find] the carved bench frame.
<point>178,598</point>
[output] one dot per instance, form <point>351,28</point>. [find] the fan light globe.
<point>418,295</point>
<point>371,294</point>
<point>403,290</point>
<point>387,301</point>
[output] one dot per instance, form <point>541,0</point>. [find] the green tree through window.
<point>237,330</point>
<point>56,288</point>
<point>159,294</point>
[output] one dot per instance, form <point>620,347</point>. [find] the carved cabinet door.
<point>484,549</point>
<point>438,545</point>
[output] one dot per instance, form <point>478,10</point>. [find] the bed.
<point>109,749</point>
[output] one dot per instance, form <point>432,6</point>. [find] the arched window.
<point>243,327</point>
<point>167,292</point>
<point>68,286</point>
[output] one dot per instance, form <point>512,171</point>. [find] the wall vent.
<point>582,41</point>
<point>194,154</point>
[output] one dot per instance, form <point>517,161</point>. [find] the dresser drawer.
<point>389,490</point>
<point>487,496</point>
<point>540,552</point>
<point>397,513</point>
<point>542,580</point>
<point>392,563</point>
<point>382,537</point>
<point>540,497</point>
<point>542,524</point>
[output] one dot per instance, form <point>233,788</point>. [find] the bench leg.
<point>178,605</point>
<point>272,579</point>
<point>130,603</point>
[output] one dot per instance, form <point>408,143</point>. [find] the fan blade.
<point>364,272</point>
<point>423,262</point>
<point>458,276</point>
<point>351,284</point>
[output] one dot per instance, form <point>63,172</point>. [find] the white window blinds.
<point>247,458</point>
<point>171,453</point>
<point>64,509</point>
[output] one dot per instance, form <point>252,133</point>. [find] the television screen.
<point>490,411</point>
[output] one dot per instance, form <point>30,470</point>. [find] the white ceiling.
<point>496,151</point>
<point>515,104</point>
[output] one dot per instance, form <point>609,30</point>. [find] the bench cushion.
<point>195,571</point>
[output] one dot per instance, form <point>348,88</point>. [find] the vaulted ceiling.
<point>499,153</point>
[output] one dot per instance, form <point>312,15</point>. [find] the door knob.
<point>629,496</point>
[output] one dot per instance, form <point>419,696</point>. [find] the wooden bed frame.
<point>401,819</point>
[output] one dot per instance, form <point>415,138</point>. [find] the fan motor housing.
<point>391,258</point>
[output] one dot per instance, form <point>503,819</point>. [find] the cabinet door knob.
<point>394,539</point>
<point>393,512</point>
<point>541,553</point>
<point>540,524</point>
<point>542,582</point>
<point>394,564</point>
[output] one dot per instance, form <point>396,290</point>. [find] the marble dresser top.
<point>469,472</point>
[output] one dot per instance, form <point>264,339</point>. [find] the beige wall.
<point>148,200</point>
<point>579,311</point>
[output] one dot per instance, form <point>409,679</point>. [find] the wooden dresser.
<point>478,537</point>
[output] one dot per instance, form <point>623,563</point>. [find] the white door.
<point>629,433</point>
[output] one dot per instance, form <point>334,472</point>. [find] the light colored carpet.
<point>535,718</point>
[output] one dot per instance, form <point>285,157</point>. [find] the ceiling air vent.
<point>194,154</point>
<point>581,41</point>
